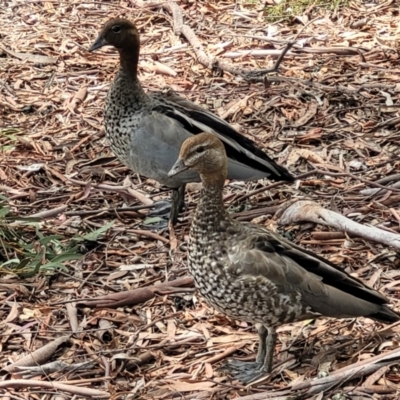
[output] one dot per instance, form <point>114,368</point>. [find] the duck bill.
<point>99,42</point>
<point>177,168</point>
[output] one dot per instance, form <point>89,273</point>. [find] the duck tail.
<point>386,315</point>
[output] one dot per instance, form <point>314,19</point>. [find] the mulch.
<point>116,316</point>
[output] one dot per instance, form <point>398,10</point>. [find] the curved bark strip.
<point>313,212</point>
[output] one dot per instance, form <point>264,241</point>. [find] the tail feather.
<point>386,315</point>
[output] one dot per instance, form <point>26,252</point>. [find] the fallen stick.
<point>314,386</point>
<point>56,386</point>
<point>340,51</point>
<point>53,212</point>
<point>138,296</point>
<point>213,63</point>
<point>322,172</point>
<point>352,371</point>
<point>329,235</point>
<point>313,212</point>
<point>372,191</point>
<point>113,211</point>
<point>37,357</point>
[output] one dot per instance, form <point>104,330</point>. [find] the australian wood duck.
<point>255,275</point>
<point>146,130</point>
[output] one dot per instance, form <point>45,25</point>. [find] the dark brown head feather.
<point>120,33</point>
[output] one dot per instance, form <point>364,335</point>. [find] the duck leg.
<point>177,203</point>
<point>248,372</point>
<point>169,209</point>
<point>270,343</point>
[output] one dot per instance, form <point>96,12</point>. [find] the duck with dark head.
<point>146,130</point>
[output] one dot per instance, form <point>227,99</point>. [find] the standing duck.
<point>254,275</point>
<point>146,130</point>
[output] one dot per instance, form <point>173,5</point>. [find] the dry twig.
<point>313,212</point>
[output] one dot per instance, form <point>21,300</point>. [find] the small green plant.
<point>251,2</point>
<point>288,9</point>
<point>8,135</point>
<point>26,251</point>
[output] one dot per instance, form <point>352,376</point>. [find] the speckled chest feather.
<point>123,106</point>
<point>215,265</point>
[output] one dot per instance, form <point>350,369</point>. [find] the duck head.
<point>205,154</point>
<point>117,32</point>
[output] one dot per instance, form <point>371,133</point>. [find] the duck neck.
<point>211,210</point>
<point>129,58</point>
<point>128,84</point>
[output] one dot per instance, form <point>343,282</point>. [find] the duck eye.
<point>200,149</point>
<point>116,29</point>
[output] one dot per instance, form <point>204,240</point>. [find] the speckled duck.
<point>252,274</point>
<point>146,130</point>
